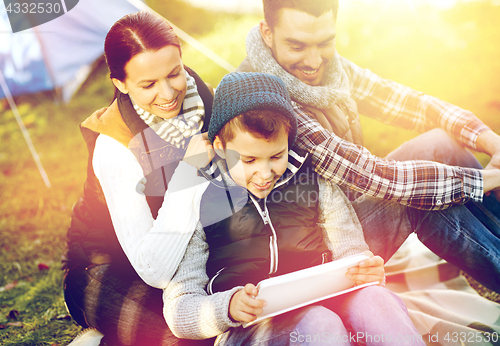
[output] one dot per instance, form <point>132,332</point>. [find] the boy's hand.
<point>369,270</point>
<point>199,151</point>
<point>243,306</point>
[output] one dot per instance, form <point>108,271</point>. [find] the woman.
<point>117,245</point>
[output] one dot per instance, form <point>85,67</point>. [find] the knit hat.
<point>239,92</point>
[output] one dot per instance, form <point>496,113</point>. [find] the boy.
<point>266,213</point>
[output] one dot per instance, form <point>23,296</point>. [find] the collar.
<point>109,122</point>
<point>217,171</point>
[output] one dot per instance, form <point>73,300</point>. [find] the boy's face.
<point>256,163</point>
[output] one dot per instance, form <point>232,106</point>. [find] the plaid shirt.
<point>419,184</point>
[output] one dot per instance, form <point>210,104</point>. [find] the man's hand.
<point>491,180</point>
<point>243,306</point>
<point>369,270</point>
<point>494,164</point>
<point>199,151</point>
<point>489,142</point>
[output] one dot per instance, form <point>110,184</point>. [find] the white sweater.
<point>153,247</point>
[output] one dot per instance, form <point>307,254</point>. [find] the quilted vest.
<point>246,246</point>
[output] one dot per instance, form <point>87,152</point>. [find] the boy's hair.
<point>265,124</point>
<point>312,7</point>
<point>239,93</point>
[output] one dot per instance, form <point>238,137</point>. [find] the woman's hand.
<point>199,151</point>
<point>243,306</point>
<point>369,270</point>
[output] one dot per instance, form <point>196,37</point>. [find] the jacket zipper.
<point>273,238</point>
<point>210,283</point>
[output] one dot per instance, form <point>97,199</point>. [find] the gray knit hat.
<point>239,92</point>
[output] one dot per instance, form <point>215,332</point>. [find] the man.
<point>296,42</point>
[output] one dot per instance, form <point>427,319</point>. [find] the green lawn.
<point>34,219</point>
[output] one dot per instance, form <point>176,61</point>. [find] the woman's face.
<point>156,81</point>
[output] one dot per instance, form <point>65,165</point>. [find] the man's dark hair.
<point>313,7</point>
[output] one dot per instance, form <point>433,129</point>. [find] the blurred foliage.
<point>222,33</point>
<point>193,20</point>
<point>451,54</point>
<point>230,47</point>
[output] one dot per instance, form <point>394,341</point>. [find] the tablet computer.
<point>297,289</point>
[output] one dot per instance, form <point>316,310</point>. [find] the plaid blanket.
<point>441,304</point>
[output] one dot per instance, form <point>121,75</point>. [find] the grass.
<point>34,219</point>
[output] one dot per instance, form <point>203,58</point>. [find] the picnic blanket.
<point>445,309</point>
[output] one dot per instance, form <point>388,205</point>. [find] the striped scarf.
<point>188,123</point>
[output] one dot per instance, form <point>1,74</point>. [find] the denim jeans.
<point>369,316</point>
<point>467,236</point>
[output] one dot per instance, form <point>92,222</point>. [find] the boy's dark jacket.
<point>242,248</point>
<point>91,237</point>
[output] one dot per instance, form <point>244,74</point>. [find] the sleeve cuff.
<point>223,312</point>
<point>477,128</point>
<point>473,184</point>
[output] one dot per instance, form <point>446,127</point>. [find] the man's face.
<point>302,43</point>
<point>256,163</point>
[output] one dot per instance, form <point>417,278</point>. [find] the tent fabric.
<point>59,53</point>
<point>21,61</point>
<point>444,308</point>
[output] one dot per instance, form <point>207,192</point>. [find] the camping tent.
<point>55,55</point>
<point>59,53</point>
